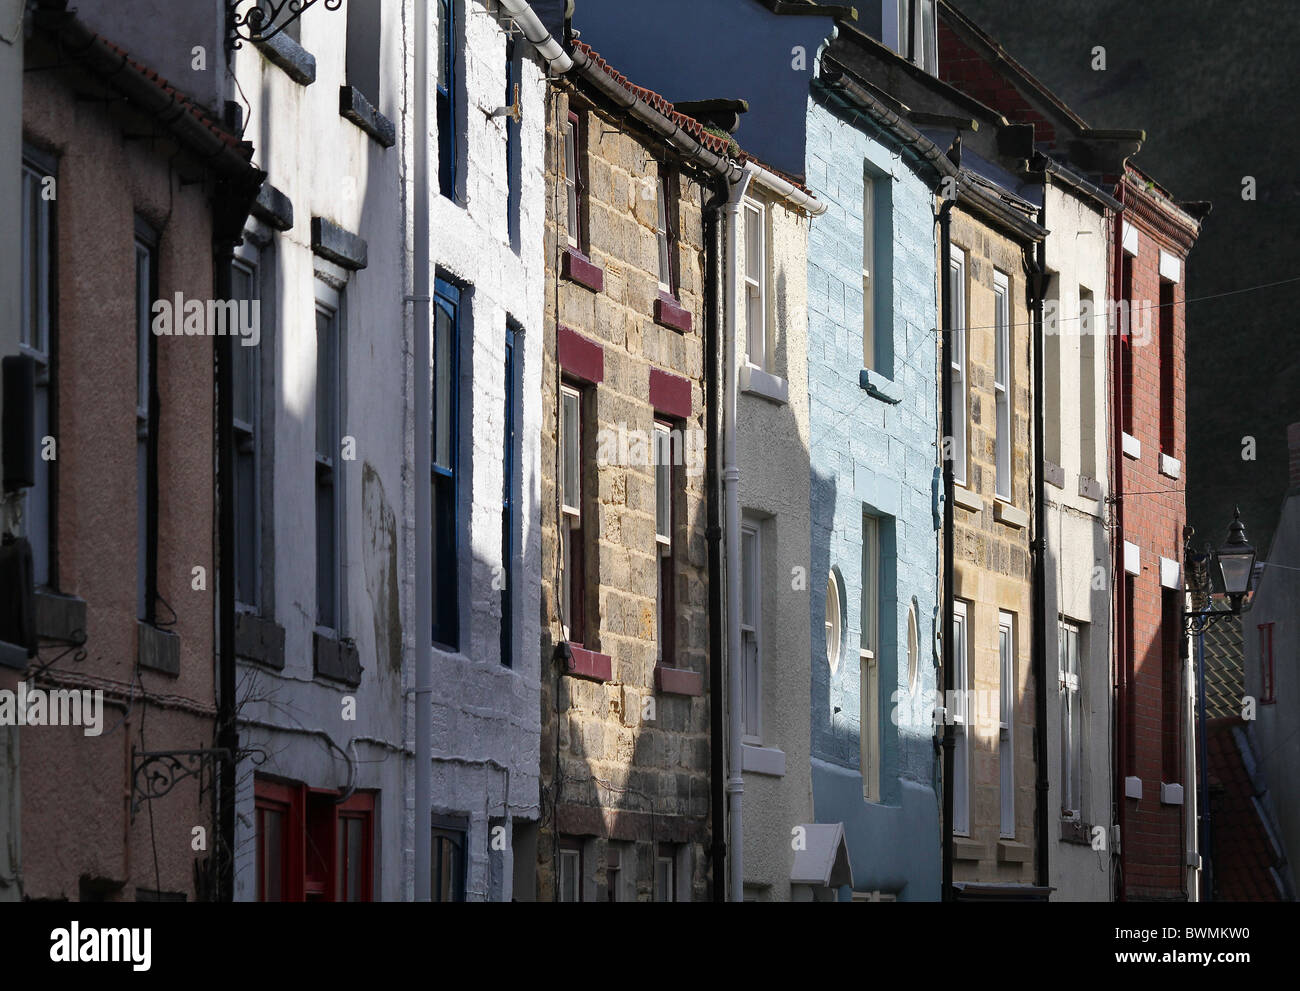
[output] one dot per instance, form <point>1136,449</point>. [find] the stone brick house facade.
<point>625,748</point>
<point>993,818</point>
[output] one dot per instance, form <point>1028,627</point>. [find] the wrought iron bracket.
<point>1199,622</point>
<point>154,773</point>
<point>261,20</point>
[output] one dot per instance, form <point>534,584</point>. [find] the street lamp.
<point>1236,562</point>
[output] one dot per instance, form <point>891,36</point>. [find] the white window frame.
<point>570,491</point>
<point>37,316</point>
<point>1002,382</point>
<point>957,309</point>
<point>571,182</point>
<point>751,633</point>
<point>958,713</point>
<point>1068,683</point>
<point>1007,723</point>
<point>868,270</point>
<point>913,34</point>
<point>663,455</point>
<point>661,235</point>
<point>757,343</point>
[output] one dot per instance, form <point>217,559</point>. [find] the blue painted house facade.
<point>873,420</point>
<point>873,416</point>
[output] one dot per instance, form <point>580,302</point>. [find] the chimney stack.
<point>1293,444</point>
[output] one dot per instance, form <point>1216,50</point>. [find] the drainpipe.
<point>731,476</point>
<point>423,495</point>
<point>1206,893</point>
<point>557,59</point>
<point>1117,550</point>
<point>713,211</point>
<point>949,737</point>
<point>227,731</point>
<point>1038,291</point>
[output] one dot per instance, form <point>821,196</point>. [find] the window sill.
<point>670,313</point>
<point>259,640</point>
<point>1089,488</point>
<point>967,499</point>
<point>60,617</point>
<point>1011,852</point>
<point>1132,447</point>
<point>577,267</point>
<point>1009,515</point>
<point>584,663</point>
<point>335,659</point>
<point>1170,467</point>
<point>964,848</point>
<point>1076,831</point>
<point>13,656</point>
<point>296,62</point>
<point>762,760</point>
<point>1132,558</point>
<point>678,681</point>
<point>879,387</point>
<point>763,384</point>
<point>273,207</point>
<point>1053,474</point>
<point>354,106</point>
<point>158,650</point>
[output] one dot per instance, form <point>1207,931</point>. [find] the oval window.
<point>834,622</point>
<point>913,647</point>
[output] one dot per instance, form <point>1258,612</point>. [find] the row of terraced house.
<point>440,467</point>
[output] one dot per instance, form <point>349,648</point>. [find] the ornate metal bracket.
<point>261,20</point>
<point>154,772</point>
<point>1199,622</point>
<point>74,644</point>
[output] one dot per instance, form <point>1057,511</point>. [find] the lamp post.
<point>1235,562</point>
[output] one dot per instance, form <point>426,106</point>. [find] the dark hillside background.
<point>1214,85</point>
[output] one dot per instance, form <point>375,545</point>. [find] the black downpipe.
<point>227,732</point>
<point>1038,286</point>
<point>949,741</point>
<point>713,533</point>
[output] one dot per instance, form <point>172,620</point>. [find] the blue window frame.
<point>444,462</point>
<point>447,149</point>
<point>508,515</point>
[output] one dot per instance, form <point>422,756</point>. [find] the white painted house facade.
<point>328,639</point>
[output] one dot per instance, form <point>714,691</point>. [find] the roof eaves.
<point>1000,54</point>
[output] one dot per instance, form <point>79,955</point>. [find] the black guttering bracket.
<point>1045,164</point>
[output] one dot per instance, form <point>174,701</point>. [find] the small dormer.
<point>911,28</point>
